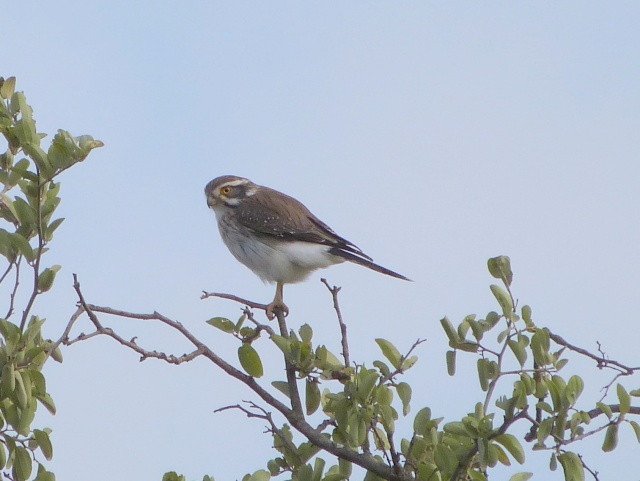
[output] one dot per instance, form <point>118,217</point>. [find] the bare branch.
<point>231,297</point>
<point>64,338</point>
<point>292,379</point>
<point>600,360</point>
<point>264,414</point>
<point>15,289</point>
<point>343,327</point>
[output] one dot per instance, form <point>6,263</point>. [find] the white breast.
<point>272,259</point>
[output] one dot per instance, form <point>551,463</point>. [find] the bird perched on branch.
<point>276,236</point>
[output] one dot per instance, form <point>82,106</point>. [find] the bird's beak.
<point>211,202</point>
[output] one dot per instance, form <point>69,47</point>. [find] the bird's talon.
<point>276,305</point>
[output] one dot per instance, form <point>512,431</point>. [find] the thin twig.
<point>265,327</point>
<point>6,273</point>
<point>343,327</point>
<point>591,471</point>
<point>602,362</point>
<point>292,379</point>
<point>41,244</point>
<point>15,289</point>
<point>64,338</point>
<point>273,428</point>
<point>231,297</point>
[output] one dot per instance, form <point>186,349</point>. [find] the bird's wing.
<point>274,214</point>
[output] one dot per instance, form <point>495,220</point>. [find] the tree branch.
<point>296,419</point>
<point>231,297</point>
<point>343,327</point>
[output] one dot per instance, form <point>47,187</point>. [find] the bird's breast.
<point>274,259</point>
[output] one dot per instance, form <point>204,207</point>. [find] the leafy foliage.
<point>28,202</point>
<point>359,409</point>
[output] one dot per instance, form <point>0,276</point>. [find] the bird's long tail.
<point>367,263</point>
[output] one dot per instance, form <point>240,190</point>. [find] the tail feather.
<point>366,263</point>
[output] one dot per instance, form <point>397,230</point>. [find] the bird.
<point>276,236</point>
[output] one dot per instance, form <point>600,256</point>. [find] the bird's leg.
<point>278,303</point>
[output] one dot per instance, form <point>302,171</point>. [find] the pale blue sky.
<point>432,134</point>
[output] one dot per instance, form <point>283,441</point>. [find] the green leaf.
<point>8,380</point>
<point>636,429</point>
<point>44,443</point>
<point>526,314</point>
<point>610,438</point>
<point>25,419</point>
<point>306,333</point>
<point>445,459</point>
<point>500,268</point>
<point>512,445</point>
<point>574,389</point>
<point>365,380</point>
<point>390,352</point>
<point>450,331</point>
<point>312,397</point>
<point>47,277</point>
<point>25,211</point>
<point>172,476</point>
<point>467,346</point>
<point>22,396</point>
<point>222,323</point>
<point>540,346</point>
<point>476,475</point>
<point>335,477</point>
<point>318,469</point>
<point>404,392</point>
<point>8,88</point>
<point>40,158</point>
<point>51,228</point>
<point>503,298</point>
<point>22,245</point>
<point>22,464</point>
<point>521,477</point>
<point>344,467</point>
<point>492,319</point>
<point>605,409</point>
<point>421,421</point>
<point>428,472</point>
<point>624,398</point>
<point>283,387</point>
<point>261,475</point>
<point>250,360</point>
<point>88,143</point>
<point>408,363</point>
<point>572,466</point>
<point>518,351</point>
<point>283,344</point>
<point>3,456</point>
<point>483,373</point>
<point>47,402</point>
<point>56,354</point>
<point>383,368</point>
<point>451,363</point>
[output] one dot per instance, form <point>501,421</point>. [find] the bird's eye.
<point>225,190</point>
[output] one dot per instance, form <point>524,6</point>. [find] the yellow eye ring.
<point>225,190</point>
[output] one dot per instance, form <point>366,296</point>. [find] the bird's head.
<point>228,191</point>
